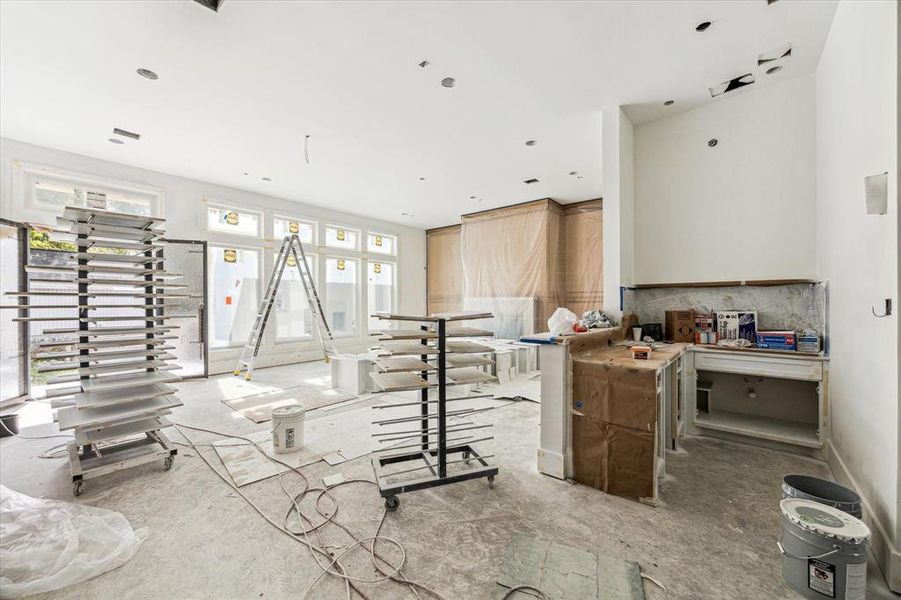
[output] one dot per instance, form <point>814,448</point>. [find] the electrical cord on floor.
<point>529,588</point>
<point>335,567</point>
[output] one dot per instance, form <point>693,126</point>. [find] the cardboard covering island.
<point>614,414</point>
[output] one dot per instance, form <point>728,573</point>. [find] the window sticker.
<point>230,255</point>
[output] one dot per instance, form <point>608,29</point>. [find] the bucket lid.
<point>825,520</point>
<point>288,411</point>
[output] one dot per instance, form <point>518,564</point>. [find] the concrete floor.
<point>713,536</point>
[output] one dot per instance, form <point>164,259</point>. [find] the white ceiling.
<point>238,90</point>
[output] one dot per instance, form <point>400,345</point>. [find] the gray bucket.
<point>824,551</point>
<point>822,491</point>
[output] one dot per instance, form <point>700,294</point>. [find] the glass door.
<point>14,364</point>
<point>189,258</point>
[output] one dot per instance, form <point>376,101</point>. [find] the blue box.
<point>777,340</point>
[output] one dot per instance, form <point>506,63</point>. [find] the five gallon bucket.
<point>822,491</point>
<point>287,428</point>
<point>824,551</point>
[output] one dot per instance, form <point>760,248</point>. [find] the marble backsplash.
<point>796,306</point>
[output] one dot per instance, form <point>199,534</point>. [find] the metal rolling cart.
<point>408,360</point>
<point>114,390</point>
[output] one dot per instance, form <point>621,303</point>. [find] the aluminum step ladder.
<point>292,248</point>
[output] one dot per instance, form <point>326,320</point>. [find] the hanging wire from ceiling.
<point>306,148</point>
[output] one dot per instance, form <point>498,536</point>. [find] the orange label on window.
<point>292,262</point>
<point>230,255</point>
<point>340,265</point>
<point>341,235</point>
<point>378,240</point>
<point>228,299</point>
<point>293,227</point>
<point>377,267</point>
<point>231,218</point>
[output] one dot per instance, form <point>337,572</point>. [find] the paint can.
<point>287,428</point>
<point>824,550</point>
<point>822,491</point>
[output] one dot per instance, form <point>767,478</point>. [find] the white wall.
<point>741,210</point>
<point>186,217</point>
<point>857,135</point>
<point>619,212</point>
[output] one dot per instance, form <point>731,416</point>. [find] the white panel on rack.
<point>120,396</point>
<point>72,417</point>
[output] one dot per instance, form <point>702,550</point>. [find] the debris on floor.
<point>565,573</point>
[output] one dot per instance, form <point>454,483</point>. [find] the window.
<point>381,243</point>
<point>234,221</point>
<point>341,237</point>
<point>292,309</point>
<point>52,189</point>
<point>305,230</point>
<point>234,275</point>
<point>341,295</point>
<point>381,291</point>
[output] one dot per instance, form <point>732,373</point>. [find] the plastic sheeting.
<point>510,259</point>
<point>49,544</point>
<point>524,261</point>
<point>445,271</point>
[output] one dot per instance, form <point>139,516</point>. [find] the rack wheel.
<point>391,503</point>
<point>77,487</point>
<point>167,463</point>
<point>491,482</point>
<point>466,460</point>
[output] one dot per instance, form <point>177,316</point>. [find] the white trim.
<point>21,201</point>
<point>881,546</point>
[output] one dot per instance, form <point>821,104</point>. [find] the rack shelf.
<point>121,374</point>
<point>429,447</point>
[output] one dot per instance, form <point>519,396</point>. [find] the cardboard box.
<point>777,340</point>
<point>736,324</point>
<point>808,343</point>
<point>679,326</point>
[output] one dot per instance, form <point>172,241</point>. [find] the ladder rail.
<point>291,246</point>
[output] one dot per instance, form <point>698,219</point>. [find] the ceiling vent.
<point>731,85</point>
<point>213,5</point>
<point>783,51</point>
<point>126,133</point>
<point>530,181</point>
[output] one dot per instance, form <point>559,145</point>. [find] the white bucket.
<point>287,428</point>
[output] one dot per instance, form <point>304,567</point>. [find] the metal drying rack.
<point>432,447</point>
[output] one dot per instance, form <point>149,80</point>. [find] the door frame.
<point>204,332</point>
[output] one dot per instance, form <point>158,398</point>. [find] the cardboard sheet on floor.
<point>258,407</point>
<point>245,464</point>
<point>563,572</point>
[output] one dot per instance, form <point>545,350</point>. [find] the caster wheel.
<point>77,488</point>
<point>391,503</point>
<point>491,482</point>
<point>466,460</point>
<point>167,464</point>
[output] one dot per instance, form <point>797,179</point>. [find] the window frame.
<point>261,266</point>
<point>281,216</point>
<point>359,296</point>
<point>313,262</point>
<point>24,174</point>
<point>394,289</point>
<point>224,205</point>
<point>358,247</point>
<point>394,238</point>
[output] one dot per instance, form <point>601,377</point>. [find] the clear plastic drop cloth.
<point>50,544</point>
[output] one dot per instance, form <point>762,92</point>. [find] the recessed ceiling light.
<point>245,172</point>
<point>775,69</point>
<point>422,179</point>
<point>116,141</point>
<point>448,82</point>
<point>148,74</point>
<point>702,26</point>
<point>573,173</point>
<point>669,103</point>
<point>267,178</point>
<point>530,143</point>
<point>423,64</point>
